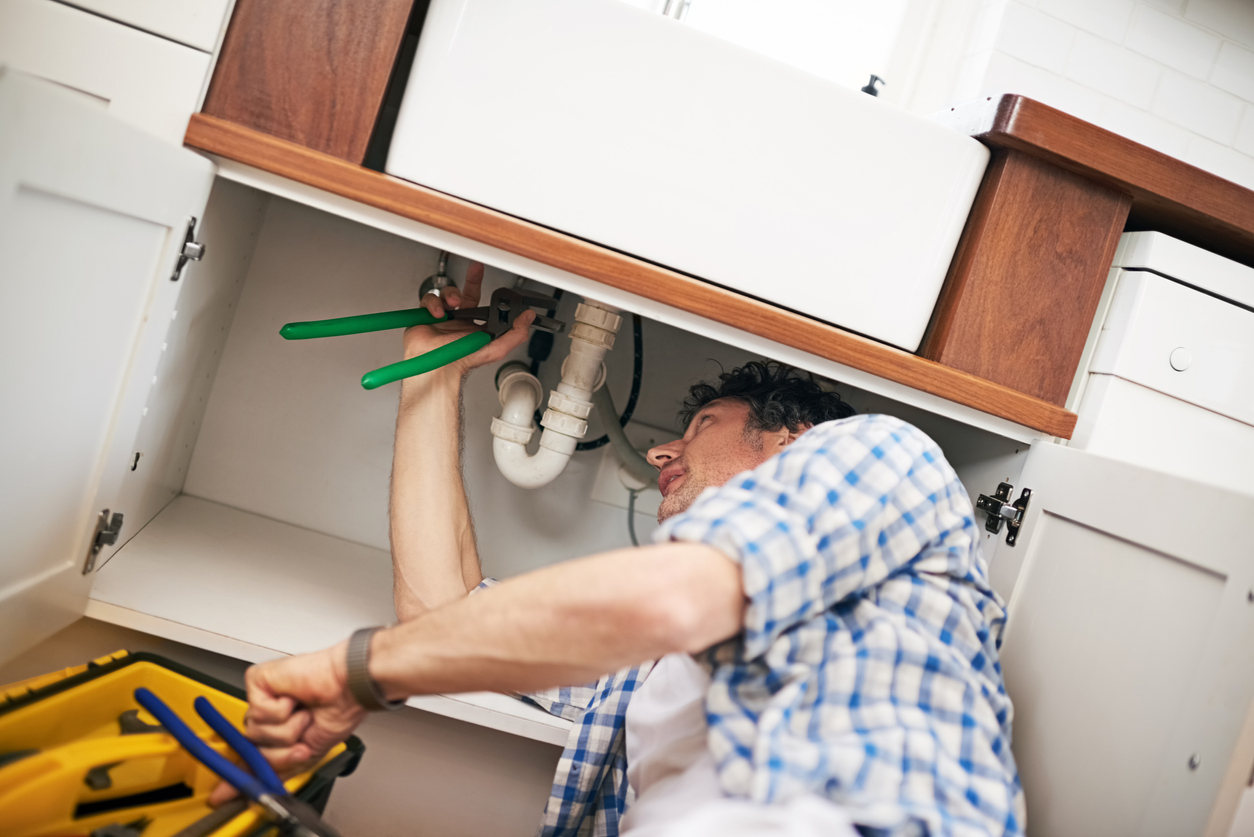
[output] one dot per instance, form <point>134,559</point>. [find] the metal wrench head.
<point>508,305</point>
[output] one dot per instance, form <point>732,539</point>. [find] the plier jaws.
<point>506,306</point>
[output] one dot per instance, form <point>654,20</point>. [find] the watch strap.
<point>360,684</point>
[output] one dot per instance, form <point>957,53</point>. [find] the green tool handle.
<point>433,359</point>
<point>359,324</point>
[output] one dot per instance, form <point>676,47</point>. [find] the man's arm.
<point>434,559</point>
<point>561,625</point>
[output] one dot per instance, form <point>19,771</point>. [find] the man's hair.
<point>778,396</point>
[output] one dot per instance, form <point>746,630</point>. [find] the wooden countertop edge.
<point>1163,189</point>
<point>564,252</point>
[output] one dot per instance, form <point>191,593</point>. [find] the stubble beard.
<point>681,498</point>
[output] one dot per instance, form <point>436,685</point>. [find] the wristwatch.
<point>360,684</point>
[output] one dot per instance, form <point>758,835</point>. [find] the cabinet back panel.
<point>290,434</point>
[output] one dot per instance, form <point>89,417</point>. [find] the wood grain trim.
<point>1027,276</point>
<point>563,252</point>
<point>1167,195</point>
<point>311,71</point>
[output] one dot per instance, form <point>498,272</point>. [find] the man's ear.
<point>792,436</point>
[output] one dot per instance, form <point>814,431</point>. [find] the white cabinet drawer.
<point>144,80</point>
<point>192,22</point>
<point>1181,342</point>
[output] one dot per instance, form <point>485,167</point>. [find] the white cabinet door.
<point>144,80</point>
<point>1129,651</point>
<point>192,22</point>
<point>92,215</point>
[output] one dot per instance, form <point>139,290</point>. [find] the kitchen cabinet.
<point>195,23</point>
<point>1021,290</point>
<point>141,79</point>
<point>227,546</point>
<point>93,216</point>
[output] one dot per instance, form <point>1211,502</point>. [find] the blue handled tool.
<point>293,817</point>
<point>497,317</point>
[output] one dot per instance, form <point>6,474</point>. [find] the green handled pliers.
<point>497,317</point>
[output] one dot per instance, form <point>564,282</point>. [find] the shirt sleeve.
<point>846,505</point>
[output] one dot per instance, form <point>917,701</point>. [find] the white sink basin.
<point>634,131</point>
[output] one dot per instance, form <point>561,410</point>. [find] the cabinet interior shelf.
<point>563,252</point>
<point>257,589</point>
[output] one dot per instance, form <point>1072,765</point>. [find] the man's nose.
<point>660,455</point>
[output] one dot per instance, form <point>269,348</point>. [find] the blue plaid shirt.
<point>867,669</point>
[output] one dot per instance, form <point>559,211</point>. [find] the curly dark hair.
<point>778,396</point>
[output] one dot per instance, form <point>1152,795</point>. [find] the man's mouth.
<point>667,478</point>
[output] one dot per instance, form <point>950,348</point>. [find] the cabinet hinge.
<point>1000,510</point>
<point>191,250</point>
<point>108,527</point>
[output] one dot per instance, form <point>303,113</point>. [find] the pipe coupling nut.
<point>595,335</point>
<point>567,425</point>
<point>502,429</point>
<point>571,406</point>
<point>596,316</point>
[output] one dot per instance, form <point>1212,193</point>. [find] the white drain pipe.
<point>565,421</point>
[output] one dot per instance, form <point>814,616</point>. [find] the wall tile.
<point>1108,19</point>
<point>1010,75</point>
<point>1036,38</point>
<point>986,26</point>
<point>1197,106</point>
<point>1175,7</point>
<point>1221,160</point>
<point>1146,128</point>
<point>970,79</point>
<point>1173,42</point>
<point>1234,71</point>
<point>1113,70</point>
<point>1245,133</point>
<point>1234,19</point>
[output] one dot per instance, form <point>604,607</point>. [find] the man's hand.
<point>298,709</point>
<point>422,339</point>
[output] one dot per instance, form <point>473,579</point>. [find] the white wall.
<point>1175,75</point>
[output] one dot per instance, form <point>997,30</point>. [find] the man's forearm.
<point>434,559</point>
<point>566,624</point>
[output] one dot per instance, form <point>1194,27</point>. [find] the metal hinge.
<point>1000,510</point>
<point>191,251</point>
<point>108,527</point>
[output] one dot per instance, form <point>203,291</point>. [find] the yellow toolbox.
<point>80,758</point>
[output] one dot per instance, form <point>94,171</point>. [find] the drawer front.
<point>192,22</point>
<point>642,134</point>
<point>1180,342</point>
<point>144,80</point>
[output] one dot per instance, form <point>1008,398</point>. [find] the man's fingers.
<point>434,304</point>
<point>279,734</point>
<point>287,761</point>
<point>265,708</point>
<point>472,284</point>
<point>224,792</point>
<point>518,333</point>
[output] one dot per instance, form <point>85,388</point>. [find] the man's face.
<point>714,448</point>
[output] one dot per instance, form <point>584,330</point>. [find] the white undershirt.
<point>672,772</point>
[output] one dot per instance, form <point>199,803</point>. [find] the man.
<point>816,600</point>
